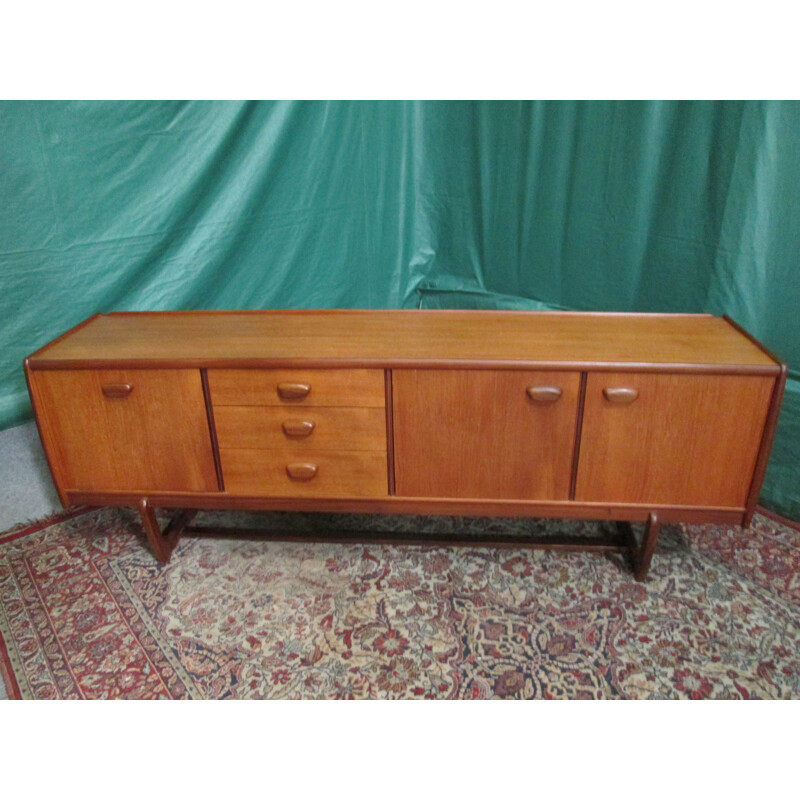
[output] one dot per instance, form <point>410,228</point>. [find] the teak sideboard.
<point>624,417</point>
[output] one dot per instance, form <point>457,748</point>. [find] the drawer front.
<point>668,439</point>
<point>362,388</point>
<point>301,429</point>
<point>315,473</point>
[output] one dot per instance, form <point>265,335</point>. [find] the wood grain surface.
<point>154,439</point>
<point>462,433</point>
<point>339,474</point>
<point>259,427</point>
<point>394,338</point>
<point>685,440</point>
<point>328,387</point>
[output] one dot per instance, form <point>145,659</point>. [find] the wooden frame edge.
<point>431,311</point>
<point>765,449</point>
<point>58,480</point>
<point>390,363</point>
<point>414,505</point>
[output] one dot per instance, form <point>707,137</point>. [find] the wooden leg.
<point>644,554</point>
<point>162,544</point>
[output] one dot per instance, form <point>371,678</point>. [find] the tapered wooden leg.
<point>644,554</point>
<point>162,543</point>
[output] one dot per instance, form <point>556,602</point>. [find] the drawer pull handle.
<point>298,427</point>
<point>117,390</point>
<point>544,394</point>
<point>620,395</point>
<point>293,391</point>
<point>301,472</point>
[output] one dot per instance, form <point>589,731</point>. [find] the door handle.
<point>116,391</point>
<point>293,391</point>
<point>301,472</point>
<point>543,394</point>
<point>621,395</point>
<point>298,427</point>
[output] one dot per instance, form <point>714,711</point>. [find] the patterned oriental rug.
<point>87,612</point>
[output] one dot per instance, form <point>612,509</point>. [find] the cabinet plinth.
<point>632,417</point>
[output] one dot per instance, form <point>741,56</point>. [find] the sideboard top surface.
<point>396,338</point>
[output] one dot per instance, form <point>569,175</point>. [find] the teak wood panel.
<point>306,428</point>
<point>392,338</point>
<point>265,472</point>
<point>153,438</point>
<point>684,440</point>
<point>328,387</point>
<point>477,434</point>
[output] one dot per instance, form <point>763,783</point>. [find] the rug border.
<point>775,517</point>
<point>35,525</point>
<point>7,673</point>
<point>18,531</point>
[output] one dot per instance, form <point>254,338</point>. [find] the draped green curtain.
<point>647,206</point>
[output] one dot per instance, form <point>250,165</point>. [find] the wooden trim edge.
<point>57,478</point>
<point>391,363</point>
<point>431,311</point>
<point>414,505</point>
<point>767,439</point>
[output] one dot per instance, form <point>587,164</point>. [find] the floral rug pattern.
<point>87,612</point>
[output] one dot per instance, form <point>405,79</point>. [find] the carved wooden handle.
<point>293,391</point>
<point>620,394</point>
<point>298,427</point>
<point>117,390</point>
<point>544,394</point>
<point>301,472</point>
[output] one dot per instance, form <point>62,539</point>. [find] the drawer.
<point>316,473</point>
<point>363,388</point>
<point>307,428</point>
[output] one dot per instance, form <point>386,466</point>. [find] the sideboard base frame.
<point>621,540</point>
<point>416,505</point>
<point>162,543</point>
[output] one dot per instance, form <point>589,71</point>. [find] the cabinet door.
<point>671,439</point>
<point>125,430</point>
<point>481,434</point>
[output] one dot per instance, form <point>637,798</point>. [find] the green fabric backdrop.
<point>647,206</point>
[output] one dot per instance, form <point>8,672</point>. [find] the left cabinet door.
<point>132,430</point>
